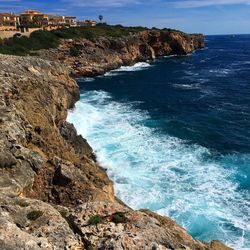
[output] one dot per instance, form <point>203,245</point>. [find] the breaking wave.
<point>187,182</point>
<point>136,67</point>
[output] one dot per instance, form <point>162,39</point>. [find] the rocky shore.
<point>53,193</point>
<point>95,57</point>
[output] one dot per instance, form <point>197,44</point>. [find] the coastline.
<point>51,169</point>
<point>98,56</point>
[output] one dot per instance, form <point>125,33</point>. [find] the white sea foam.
<point>187,86</point>
<point>86,79</point>
<point>136,67</point>
<point>189,73</point>
<point>111,73</point>
<point>163,173</point>
<point>221,72</point>
<point>205,60</point>
<point>240,63</point>
<point>169,56</point>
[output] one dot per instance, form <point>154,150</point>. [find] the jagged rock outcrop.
<point>53,195</point>
<point>41,156</point>
<point>103,54</point>
<point>123,228</point>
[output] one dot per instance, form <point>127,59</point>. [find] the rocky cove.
<point>94,57</point>
<point>54,195</point>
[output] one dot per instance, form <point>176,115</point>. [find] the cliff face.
<point>103,54</point>
<point>41,156</point>
<point>53,195</point>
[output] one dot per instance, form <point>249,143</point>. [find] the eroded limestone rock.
<point>103,54</point>
<point>50,183</point>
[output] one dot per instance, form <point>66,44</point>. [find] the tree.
<point>100,18</point>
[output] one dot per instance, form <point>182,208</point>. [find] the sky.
<point>193,16</point>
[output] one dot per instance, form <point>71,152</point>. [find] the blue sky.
<point>205,16</point>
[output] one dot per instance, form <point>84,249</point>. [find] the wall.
<point>8,34</point>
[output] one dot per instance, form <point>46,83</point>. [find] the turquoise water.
<point>174,136</point>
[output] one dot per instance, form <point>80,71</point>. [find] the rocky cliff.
<point>97,56</point>
<point>53,194</point>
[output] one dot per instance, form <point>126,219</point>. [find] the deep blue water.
<point>174,135</point>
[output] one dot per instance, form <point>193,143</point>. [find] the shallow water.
<point>174,136</point>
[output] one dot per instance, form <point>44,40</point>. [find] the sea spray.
<point>174,137</point>
<point>163,173</point>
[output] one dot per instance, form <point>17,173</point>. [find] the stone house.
<point>9,21</point>
<point>86,23</point>
<point>70,21</point>
<point>55,20</point>
<point>33,17</point>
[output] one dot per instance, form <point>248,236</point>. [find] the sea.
<point>174,136</point>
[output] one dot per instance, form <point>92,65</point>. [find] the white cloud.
<point>101,3</point>
<point>206,3</point>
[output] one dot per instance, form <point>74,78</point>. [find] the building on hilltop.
<point>86,23</point>
<point>70,21</point>
<point>9,21</point>
<point>31,20</point>
<point>55,20</point>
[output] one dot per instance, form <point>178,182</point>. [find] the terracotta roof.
<point>6,14</point>
<point>31,12</point>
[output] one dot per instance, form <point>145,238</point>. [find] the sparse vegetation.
<point>64,213</point>
<point>119,217</point>
<point>74,51</point>
<point>95,219</point>
<point>34,215</point>
<point>50,39</point>
<point>27,45</point>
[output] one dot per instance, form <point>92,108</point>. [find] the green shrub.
<point>90,35</point>
<point>95,219</point>
<point>33,25</point>
<point>43,39</point>
<point>118,217</point>
<point>74,52</point>
<point>64,213</point>
<point>34,215</point>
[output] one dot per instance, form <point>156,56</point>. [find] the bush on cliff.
<point>34,215</point>
<point>74,52</point>
<point>25,45</point>
<point>51,39</point>
<point>43,40</point>
<point>118,217</point>
<point>95,219</point>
